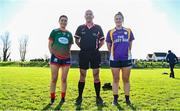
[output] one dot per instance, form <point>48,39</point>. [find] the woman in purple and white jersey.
<point>119,43</point>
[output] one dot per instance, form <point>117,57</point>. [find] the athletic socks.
<point>115,98</point>
<point>127,97</point>
<point>128,102</point>
<point>63,94</point>
<point>52,97</point>
<point>97,87</point>
<point>81,88</point>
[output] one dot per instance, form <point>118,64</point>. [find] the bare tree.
<point>6,45</point>
<point>23,42</point>
<point>46,57</point>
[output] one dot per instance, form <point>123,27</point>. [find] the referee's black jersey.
<point>89,37</point>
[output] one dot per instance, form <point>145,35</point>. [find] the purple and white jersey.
<point>119,40</point>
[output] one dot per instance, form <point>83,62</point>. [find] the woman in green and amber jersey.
<point>60,41</point>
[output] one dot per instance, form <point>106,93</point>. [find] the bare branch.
<point>6,45</point>
<point>23,43</point>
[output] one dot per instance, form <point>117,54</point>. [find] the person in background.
<point>172,59</point>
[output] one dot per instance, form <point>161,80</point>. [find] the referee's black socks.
<point>97,87</point>
<point>81,88</point>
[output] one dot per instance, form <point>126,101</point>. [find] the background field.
<point>28,88</point>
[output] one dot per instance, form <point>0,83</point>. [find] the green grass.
<point>23,88</point>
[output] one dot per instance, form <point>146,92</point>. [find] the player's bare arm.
<point>130,45</point>
<point>109,47</point>
<point>49,46</point>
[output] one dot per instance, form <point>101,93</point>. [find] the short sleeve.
<point>51,36</point>
<point>108,38</point>
<point>131,36</point>
<point>78,33</point>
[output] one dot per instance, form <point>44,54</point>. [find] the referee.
<point>89,37</point>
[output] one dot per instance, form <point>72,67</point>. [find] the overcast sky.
<point>155,23</point>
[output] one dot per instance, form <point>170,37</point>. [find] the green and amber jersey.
<point>62,41</point>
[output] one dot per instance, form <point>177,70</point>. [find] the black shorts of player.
<point>89,57</point>
<point>59,62</point>
<point>120,64</point>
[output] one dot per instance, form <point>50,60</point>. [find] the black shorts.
<point>92,58</point>
<point>120,64</point>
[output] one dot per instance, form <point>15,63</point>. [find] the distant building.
<point>178,59</point>
<point>149,57</point>
<point>159,56</point>
<point>104,57</point>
